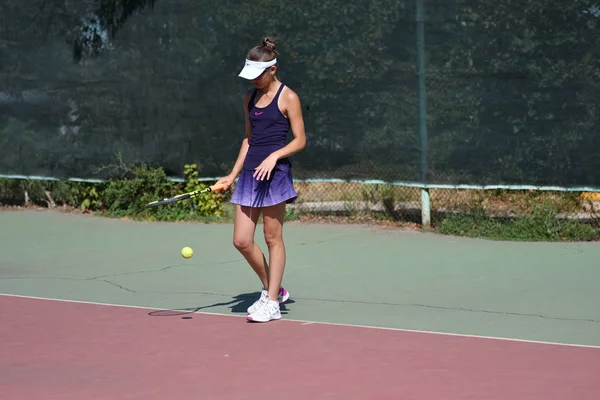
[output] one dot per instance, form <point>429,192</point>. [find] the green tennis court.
<point>342,274</point>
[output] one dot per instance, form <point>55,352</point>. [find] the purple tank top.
<point>269,131</point>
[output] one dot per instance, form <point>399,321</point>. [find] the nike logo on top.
<point>258,113</point>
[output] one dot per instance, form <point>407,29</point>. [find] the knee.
<point>273,238</point>
<point>242,244</point>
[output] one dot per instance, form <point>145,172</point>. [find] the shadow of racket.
<point>239,304</point>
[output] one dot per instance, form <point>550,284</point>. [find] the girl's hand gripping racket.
<point>185,196</point>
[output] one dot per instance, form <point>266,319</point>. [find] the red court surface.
<point>64,350</point>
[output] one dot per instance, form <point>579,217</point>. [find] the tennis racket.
<point>184,196</point>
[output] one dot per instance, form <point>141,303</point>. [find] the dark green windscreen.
<point>511,87</point>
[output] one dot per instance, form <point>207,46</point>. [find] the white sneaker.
<point>263,297</point>
<point>266,311</point>
<point>282,297</point>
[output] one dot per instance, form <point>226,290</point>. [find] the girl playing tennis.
<point>265,183</point>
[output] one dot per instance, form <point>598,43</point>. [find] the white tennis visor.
<point>253,69</point>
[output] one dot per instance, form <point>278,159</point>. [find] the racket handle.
<point>217,187</point>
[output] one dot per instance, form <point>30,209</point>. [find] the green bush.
<point>125,195</point>
<point>207,204</point>
<point>22,191</point>
<point>541,224</point>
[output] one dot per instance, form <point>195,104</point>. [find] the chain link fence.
<point>498,213</point>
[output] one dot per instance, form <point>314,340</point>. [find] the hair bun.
<point>269,43</point>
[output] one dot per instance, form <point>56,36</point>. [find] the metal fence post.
<point>422,94</point>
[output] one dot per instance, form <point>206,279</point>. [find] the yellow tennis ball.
<point>187,252</point>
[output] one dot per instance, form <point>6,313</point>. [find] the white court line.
<point>304,322</point>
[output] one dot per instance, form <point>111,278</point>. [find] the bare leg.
<point>273,229</point>
<point>243,240</point>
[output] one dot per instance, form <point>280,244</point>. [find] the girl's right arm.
<point>237,167</point>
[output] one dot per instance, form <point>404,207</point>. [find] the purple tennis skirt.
<point>278,189</point>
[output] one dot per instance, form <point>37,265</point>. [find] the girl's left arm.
<point>293,110</point>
